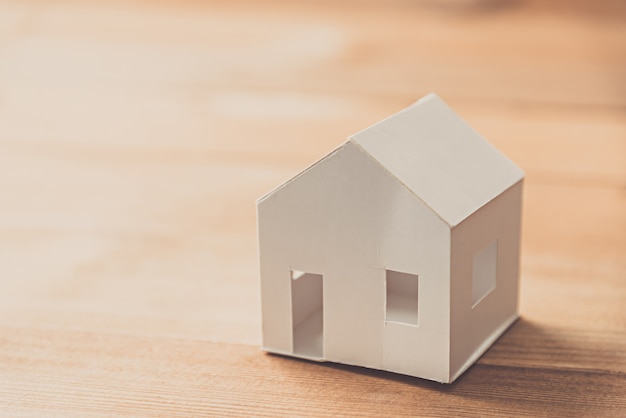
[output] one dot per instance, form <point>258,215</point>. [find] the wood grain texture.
<point>92,374</point>
<point>136,135</point>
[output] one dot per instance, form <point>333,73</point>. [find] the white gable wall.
<point>473,329</point>
<point>348,219</point>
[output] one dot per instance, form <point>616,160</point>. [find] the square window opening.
<point>484,272</point>
<point>402,297</point>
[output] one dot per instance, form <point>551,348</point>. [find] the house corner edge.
<point>485,346</point>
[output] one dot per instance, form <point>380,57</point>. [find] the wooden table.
<point>136,135</point>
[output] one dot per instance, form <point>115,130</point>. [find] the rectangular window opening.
<point>484,272</point>
<point>402,297</point>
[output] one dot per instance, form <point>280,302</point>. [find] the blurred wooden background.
<point>136,135</point>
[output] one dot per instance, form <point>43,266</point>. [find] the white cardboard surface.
<point>361,211</point>
<point>447,164</point>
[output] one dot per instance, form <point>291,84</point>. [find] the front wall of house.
<point>473,328</point>
<point>349,220</point>
<point>417,242</point>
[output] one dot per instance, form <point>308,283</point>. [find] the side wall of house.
<point>475,328</point>
<point>349,220</point>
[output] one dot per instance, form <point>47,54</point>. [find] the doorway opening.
<point>307,308</point>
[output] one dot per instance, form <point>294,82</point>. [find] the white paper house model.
<point>397,251</point>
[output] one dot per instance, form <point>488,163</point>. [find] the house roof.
<point>439,158</point>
